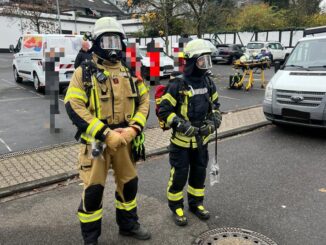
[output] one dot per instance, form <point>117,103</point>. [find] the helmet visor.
<point>204,62</point>
<point>110,42</point>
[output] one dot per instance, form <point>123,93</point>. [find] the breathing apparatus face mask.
<point>109,47</point>
<point>204,62</point>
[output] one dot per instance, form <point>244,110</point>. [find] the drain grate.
<point>232,236</point>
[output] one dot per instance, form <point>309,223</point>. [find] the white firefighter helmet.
<point>197,47</point>
<point>108,24</point>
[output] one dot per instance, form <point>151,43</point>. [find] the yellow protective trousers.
<point>93,172</point>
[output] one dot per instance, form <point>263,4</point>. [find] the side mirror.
<point>277,66</point>
<point>11,48</point>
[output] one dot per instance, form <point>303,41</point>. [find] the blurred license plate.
<point>169,71</point>
<point>294,114</point>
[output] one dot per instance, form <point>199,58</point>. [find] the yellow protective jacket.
<point>190,99</point>
<point>110,104</point>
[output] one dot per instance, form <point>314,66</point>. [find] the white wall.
<point>10,27</point>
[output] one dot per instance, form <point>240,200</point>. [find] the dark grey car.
<point>227,53</point>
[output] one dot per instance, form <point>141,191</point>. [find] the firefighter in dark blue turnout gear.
<point>190,107</point>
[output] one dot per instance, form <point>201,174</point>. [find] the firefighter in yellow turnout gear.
<point>109,108</point>
<point>190,107</point>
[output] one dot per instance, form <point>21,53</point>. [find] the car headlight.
<point>269,92</point>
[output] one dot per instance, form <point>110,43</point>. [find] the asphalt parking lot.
<point>26,114</point>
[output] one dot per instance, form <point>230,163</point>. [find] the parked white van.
<point>297,92</point>
<point>29,57</point>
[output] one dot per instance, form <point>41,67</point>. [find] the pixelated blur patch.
<point>232,236</point>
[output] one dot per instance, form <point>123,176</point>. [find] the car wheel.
<point>231,60</point>
<point>17,78</point>
<point>37,84</point>
<point>271,58</point>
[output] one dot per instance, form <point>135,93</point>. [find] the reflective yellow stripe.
<point>208,138</point>
<point>170,118</point>
<point>96,99</point>
<point>214,96</point>
<point>184,141</point>
<point>184,108</point>
<point>196,192</point>
<point>171,178</point>
<point>169,97</point>
<point>133,108</point>
<point>98,103</point>
<point>75,93</point>
<point>140,118</point>
<point>87,218</point>
<point>180,143</point>
<point>182,137</point>
<point>142,89</point>
<point>126,205</point>
<point>87,138</point>
<point>95,126</point>
<point>158,101</point>
<point>175,196</point>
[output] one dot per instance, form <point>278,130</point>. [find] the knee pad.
<point>129,190</point>
<point>93,197</point>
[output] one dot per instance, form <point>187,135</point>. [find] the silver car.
<point>297,92</point>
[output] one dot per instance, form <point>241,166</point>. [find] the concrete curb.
<point>27,186</point>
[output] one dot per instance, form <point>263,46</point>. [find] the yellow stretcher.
<point>248,68</point>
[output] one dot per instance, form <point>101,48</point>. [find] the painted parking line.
<point>7,146</point>
<point>227,88</point>
<point>12,83</point>
<point>17,99</point>
<point>8,82</point>
<point>226,97</point>
<point>37,94</point>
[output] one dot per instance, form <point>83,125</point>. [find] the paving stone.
<point>37,165</point>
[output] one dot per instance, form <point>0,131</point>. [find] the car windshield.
<point>255,45</point>
<point>310,54</point>
<point>143,52</point>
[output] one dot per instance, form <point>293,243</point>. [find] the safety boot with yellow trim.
<point>179,218</point>
<point>200,212</point>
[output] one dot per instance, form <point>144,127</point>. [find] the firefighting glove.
<point>128,134</point>
<point>207,129</point>
<point>114,140</point>
<point>186,128</point>
<point>216,117</point>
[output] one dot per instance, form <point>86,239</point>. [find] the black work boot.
<point>179,218</point>
<point>90,243</point>
<point>200,212</point>
<point>138,232</point>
